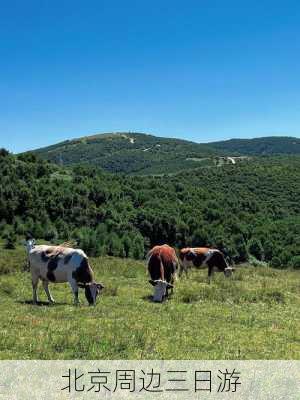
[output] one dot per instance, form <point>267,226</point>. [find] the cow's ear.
<point>100,286</point>
<point>152,282</point>
<point>81,285</point>
<point>169,286</point>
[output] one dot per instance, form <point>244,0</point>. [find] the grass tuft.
<point>111,291</point>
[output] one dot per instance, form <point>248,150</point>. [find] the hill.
<point>252,316</point>
<point>139,153</point>
<point>265,146</point>
<point>131,152</point>
<point>248,209</point>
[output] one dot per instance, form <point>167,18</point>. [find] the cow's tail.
<point>162,270</point>
<point>177,267</point>
<point>148,258</point>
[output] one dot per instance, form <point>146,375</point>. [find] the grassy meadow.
<point>254,316</point>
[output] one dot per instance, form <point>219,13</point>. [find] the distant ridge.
<point>271,145</point>
<point>141,153</point>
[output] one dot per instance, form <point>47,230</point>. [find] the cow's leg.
<point>180,270</point>
<point>183,269</point>
<point>187,267</point>
<point>74,287</point>
<point>35,281</point>
<point>210,273</point>
<point>167,295</point>
<point>186,271</point>
<point>47,291</point>
<point>172,283</point>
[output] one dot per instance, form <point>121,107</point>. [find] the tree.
<point>4,152</point>
<point>50,233</point>
<point>138,247</point>
<point>295,262</point>
<point>10,242</point>
<point>275,262</point>
<point>240,248</point>
<point>255,248</point>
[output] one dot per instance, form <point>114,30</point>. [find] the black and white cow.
<point>59,264</point>
<point>202,257</point>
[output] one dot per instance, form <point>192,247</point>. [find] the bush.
<point>295,262</point>
<point>275,262</point>
<point>50,233</point>
<point>257,263</point>
<point>115,246</point>
<point>255,248</point>
<point>88,242</point>
<point>10,242</point>
<point>4,152</point>
<point>138,247</point>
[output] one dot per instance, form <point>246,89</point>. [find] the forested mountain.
<point>272,145</point>
<point>246,209</point>
<point>138,153</point>
<point>131,153</point>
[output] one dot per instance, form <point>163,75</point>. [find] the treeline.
<point>247,210</point>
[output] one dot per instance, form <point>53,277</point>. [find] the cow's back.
<point>194,256</point>
<point>167,256</point>
<point>200,257</point>
<point>58,264</point>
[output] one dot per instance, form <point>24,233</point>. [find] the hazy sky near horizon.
<point>201,70</point>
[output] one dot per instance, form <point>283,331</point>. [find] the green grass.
<point>253,316</point>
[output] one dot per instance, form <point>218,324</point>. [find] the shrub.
<point>255,249</point>
<point>257,263</point>
<point>10,242</point>
<point>50,233</point>
<point>275,262</point>
<point>295,262</point>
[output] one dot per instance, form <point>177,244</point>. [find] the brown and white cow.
<point>61,264</point>
<point>202,257</point>
<point>162,265</point>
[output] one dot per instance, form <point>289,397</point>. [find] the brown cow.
<point>202,257</point>
<point>162,266</point>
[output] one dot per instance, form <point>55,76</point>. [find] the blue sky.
<point>200,70</point>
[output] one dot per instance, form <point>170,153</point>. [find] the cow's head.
<point>160,289</point>
<point>30,243</point>
<point>92,290</point>
<point>228,271</point>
